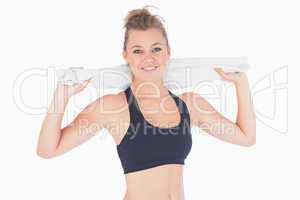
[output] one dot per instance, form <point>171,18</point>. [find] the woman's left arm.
<point>241,132</point>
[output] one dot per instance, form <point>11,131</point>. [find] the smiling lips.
<point>149,68</point>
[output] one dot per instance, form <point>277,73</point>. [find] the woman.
<point>152,131</point>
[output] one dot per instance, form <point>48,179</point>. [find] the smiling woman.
<point>153,163</point>
<point>146,47</point>
<point>153,145</point>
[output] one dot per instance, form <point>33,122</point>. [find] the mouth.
<point>152,68</point>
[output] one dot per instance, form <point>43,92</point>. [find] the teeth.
<point>149,68</point>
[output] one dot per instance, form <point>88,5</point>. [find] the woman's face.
<point>147,53</point>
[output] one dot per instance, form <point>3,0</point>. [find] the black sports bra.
<point>145,146</point>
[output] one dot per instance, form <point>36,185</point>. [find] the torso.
<point>164,182</point>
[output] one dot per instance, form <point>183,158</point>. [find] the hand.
<point>70,90</point>
<point>231,76</point>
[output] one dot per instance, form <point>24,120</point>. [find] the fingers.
<point>218,69</point>
<point>221,72</point>
<point>84,83</point>
<point>88,80</point>
<point>81,86</point>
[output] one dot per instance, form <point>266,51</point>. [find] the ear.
<point>124,54</point>
<point>169,51</point>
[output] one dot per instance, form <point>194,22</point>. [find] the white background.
<point>38,34</point>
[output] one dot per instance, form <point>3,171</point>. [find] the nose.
<point>149,58</point>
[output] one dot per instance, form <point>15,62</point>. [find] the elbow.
<point>250,142</point>
<point>44,154</point>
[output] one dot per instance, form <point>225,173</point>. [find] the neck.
<point>149,88</point>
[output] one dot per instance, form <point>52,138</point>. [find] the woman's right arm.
<point>54,140</point>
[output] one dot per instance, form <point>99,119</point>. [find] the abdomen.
<point>163,182</point>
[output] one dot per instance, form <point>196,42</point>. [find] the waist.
<point>163,182</point>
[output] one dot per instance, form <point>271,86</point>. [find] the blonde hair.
<point>142,19</point>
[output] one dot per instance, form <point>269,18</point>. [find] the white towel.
<point>181,73</point>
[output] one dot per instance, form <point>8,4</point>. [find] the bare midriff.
<point>163,182</point>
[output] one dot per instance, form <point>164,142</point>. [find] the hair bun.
<point>138,13</point>
<point>142,19</point>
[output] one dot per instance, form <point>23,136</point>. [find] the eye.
<point>156,49</point>
<point>137,51</point>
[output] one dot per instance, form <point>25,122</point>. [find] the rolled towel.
<point>181,73</point>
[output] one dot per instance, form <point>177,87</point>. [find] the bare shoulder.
<point>186,97</point>
<point>192,99</point>
<point>197,105</point>
<point>102,111</point>
<point>110,105</point>
<point>114,112</point>
<point>111,101</point>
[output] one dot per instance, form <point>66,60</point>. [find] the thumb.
<point>86,82</point>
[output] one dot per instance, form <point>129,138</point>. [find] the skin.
<point>164,182</point>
